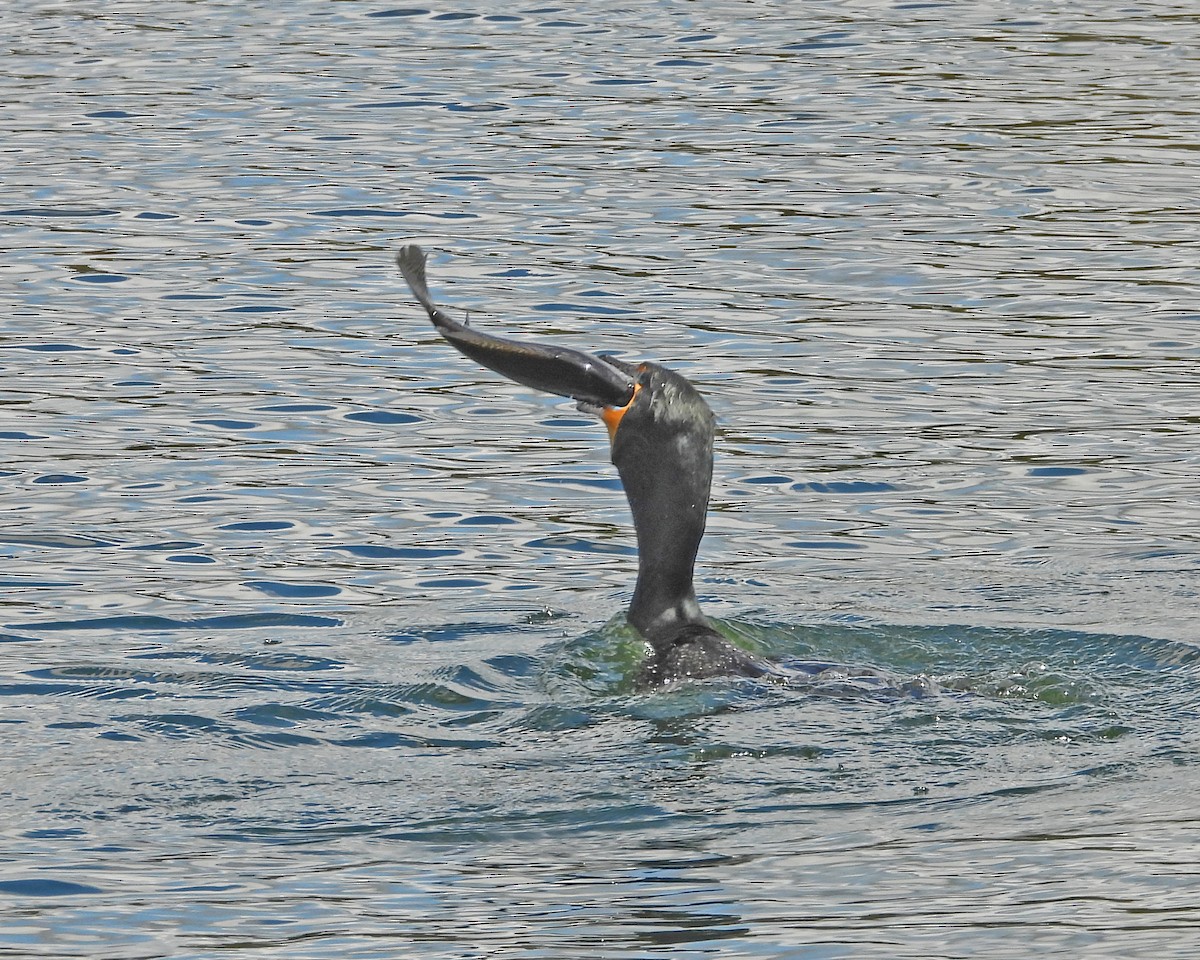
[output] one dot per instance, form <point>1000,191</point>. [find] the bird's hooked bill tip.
<point>610,414</point>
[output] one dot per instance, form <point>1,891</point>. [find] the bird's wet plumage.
<point>661,432</point>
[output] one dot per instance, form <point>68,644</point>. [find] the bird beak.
<point>611,415</point>
<point>591,380</point>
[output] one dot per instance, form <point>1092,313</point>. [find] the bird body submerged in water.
<point>661,432</point>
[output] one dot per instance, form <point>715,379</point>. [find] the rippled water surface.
<point>312,642</point>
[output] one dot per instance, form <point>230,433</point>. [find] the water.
<point>311,628</point>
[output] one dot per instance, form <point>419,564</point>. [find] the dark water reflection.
<point>308,644</point>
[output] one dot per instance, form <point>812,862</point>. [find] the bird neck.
<point>668,493</point>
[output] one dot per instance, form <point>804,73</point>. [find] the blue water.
<point>311,641</point>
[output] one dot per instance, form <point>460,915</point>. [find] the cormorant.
<point>661,432</point>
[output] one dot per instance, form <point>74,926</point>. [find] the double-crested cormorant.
<point>662,445</point>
